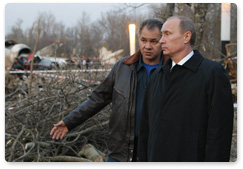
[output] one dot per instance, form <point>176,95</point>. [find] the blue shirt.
<point>143,73</point>
<point>149,67</point>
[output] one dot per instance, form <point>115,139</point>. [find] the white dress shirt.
<point>183,61</point>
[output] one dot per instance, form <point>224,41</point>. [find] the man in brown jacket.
<point>124,87</point>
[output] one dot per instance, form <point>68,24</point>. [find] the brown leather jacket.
<point>119,87</point>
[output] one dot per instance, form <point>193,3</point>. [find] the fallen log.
<point>90,152</point>
<point>65,159</point>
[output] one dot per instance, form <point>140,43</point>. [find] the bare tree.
<point>16,32</point>
<point>200,11</point>
<point>169,10</point>
<point>96,35</point>
<point>85,43</point>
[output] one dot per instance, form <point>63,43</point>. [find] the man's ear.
<point>187,36</point>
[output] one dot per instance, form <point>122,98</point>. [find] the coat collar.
<point>140,62</point>
<point>192,64</point>
<point>136,57</point>
<point>132,59</point>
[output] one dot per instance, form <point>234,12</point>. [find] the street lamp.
<point>132,38</point>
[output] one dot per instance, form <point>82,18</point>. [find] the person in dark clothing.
<point>124,87</point>
<point>188,109</point>
<point>87,63</point>
<point>18,63</point>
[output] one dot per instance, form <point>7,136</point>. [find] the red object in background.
<point>27,64</point>
<point>29,58</point>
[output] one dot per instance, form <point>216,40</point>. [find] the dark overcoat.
<point>188,113</point>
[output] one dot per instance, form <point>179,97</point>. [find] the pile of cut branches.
<point>29,119</point>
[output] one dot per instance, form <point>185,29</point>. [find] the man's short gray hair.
<point>151,24</point>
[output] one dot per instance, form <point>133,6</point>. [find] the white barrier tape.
<point>64,77</point>
<point>60,71</point>
<point>51,75</point>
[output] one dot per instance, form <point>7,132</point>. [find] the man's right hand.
<point>59,130</point>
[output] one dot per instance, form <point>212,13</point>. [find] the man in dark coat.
<point>125,88</point>
<point>188,111</point>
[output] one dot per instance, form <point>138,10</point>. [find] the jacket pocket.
<point>117,91</point>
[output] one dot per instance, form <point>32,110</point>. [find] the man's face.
<point>172,40</point>
<point>149,45</point>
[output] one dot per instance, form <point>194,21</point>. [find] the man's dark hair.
<point>151,24</point>
<point>187,24</point>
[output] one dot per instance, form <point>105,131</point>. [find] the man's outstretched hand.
<point>59,130</point>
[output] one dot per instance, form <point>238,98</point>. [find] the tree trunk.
<point>200,11</point>
<point>169,10</point>
<point>66,159</point>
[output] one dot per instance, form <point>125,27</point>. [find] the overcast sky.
<point>67,13</point>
